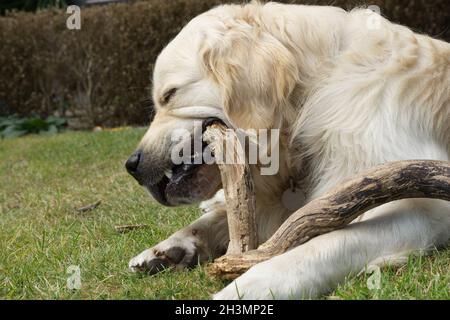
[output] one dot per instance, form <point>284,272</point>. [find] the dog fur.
<point>347,92</point>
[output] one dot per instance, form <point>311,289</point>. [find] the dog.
<point>347,90</point>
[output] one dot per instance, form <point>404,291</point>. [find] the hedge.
<point>100,75</point>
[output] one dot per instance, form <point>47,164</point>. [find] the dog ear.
<point>256,74</point>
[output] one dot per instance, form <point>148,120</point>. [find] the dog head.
<point>223,65</point>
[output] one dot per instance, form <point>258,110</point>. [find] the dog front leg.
<point>318,266</point>
<point>206,238</point>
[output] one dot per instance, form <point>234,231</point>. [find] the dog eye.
<point>168,95</point>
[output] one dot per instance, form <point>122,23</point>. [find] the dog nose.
<point>132,163</point>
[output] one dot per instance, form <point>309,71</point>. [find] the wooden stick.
<point>89,207</point>
<point>238,187</point>
<point>130,227</point>
<point>372,188</point>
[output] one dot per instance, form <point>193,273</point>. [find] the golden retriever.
<point>346,90</point>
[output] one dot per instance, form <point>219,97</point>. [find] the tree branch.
<point>371,188</point>
<point>238,187</point>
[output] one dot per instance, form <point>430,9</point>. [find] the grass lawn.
<point>43,180</point>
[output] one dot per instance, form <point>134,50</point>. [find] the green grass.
<point>43,180</point>
<point>425,277</point>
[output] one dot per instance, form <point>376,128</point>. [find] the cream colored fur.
<point>346,96</point>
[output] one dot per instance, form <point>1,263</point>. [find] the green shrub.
<point>29,5</point>
<point>12,126</point>
<point>100,75</point>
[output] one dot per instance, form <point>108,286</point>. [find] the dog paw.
<point>263,281</point>
<point>297,274</point>
<point>243,289</point>
<point>216,203</point>
<point>228,293</point>
<point>177,253</point>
